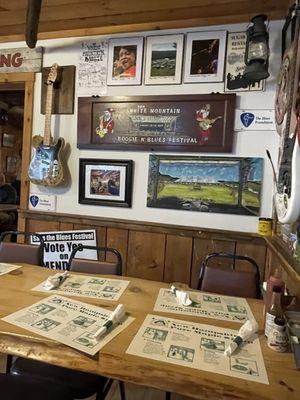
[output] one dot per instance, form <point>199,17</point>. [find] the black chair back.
<point>96,266</point>
<point>230,281</point>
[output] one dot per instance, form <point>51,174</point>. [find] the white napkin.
<point>182,296</point>
<point>114,318</point>
<point>54,281</point>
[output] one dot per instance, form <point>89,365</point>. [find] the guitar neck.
<point>48,111</point>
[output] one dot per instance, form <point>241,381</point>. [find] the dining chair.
<point>81,384</point>
<point>96,266</point>
<point>11,252</point>
<point>22,388</point>
<point>228,280</point>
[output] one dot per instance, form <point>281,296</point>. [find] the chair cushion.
<point>25,388</point>
<point>80,384</point>
<point>229,282</point>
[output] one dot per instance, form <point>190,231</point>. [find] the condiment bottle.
<point>273,280</point>
<point>278,338</point>
<point>274,310</point>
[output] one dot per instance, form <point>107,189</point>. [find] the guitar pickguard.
<point>45,167</point>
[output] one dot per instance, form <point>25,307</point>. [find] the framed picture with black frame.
<point>105,182</point>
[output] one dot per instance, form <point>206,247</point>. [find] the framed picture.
<point>235,65</point>
<point>11,164</point>
<point>205,57</point>
<point>125,58</point>
<point>8,140</point>
<point>191,123</point>
<point>105,182</point>
<point>230,185</point>
<point>164,59</point>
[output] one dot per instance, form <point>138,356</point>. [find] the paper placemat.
<point>198,346</point>
<point>88,286</point>
<point>6,268</point>
<point>206,305</point>
<point>68,321</point>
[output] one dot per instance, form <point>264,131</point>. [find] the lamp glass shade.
<point>258,50</point>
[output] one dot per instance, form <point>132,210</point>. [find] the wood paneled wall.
<point>171,253</point>
<point>153,251</point>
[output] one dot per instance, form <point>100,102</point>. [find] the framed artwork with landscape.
<point>105,182</point>
<point>205,57</point>
<point>229,185</point>
<point>125,59</point>
<point>164,59</point>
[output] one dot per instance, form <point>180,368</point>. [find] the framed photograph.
<point>205,57</point>
<point>190,123</point>
<point>8,140</point>
<point>125,58</point>
<point>164,59</point>
<point>105,182</point>
<point>11,164</point>
<point>228,185</point>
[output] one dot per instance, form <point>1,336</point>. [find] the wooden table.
<point>112,361</point>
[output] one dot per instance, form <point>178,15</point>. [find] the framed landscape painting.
<point>105,182</point>
<point>164,59</point>
<point>230,185</point>
<point>205,57</point>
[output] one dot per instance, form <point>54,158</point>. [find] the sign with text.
<point>21,60</point>
<point>42,202</point>
<point>196,123</point>
<point>254,120</point>
<point>59,245</point>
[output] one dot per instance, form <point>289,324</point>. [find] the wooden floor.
<point>133,392</point>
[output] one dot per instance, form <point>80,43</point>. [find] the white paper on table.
<point>88,286</point>
<point>198,346</point>
<point>6,268</point>
<point>68,321</point>
<point>208,305</point>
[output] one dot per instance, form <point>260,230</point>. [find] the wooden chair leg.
<point>9,360</point>
<point>122,390</point>
<point>168,396</point>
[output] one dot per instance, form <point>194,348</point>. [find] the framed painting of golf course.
<point>230,185</point>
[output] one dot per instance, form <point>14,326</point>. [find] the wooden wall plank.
<point>66,226</point>
<point>118,239</point>
<point>257,252</point>
<point>146,255</point>
<point>203,247</point>
<point>100,236</point>
<point>178,259</point>
<point>41,226</point>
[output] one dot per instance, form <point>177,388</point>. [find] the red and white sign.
<point>21,60</point>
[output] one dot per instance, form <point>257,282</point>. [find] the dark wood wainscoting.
<point>153,251</point>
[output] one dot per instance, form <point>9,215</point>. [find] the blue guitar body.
<point>45,167</point>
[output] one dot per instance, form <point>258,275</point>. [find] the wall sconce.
<point>257,50</point>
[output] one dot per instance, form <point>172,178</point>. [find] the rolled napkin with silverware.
<point>246,331</point>
<point>115,317</point>
<point>182,296</point>
<point>55,281</point>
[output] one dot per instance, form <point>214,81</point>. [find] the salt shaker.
<point>278,339</point>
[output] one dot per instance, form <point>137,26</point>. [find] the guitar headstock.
<point>52,74</point>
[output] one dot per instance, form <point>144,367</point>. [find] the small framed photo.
<point>125,58</point>
<point>164,59</point>
<point>8,140</point>
<point>11,164</point>
<point>205,57</point>
<point>105,182</point>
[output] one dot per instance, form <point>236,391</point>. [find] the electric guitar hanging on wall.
<point>287,115</point>
<point>45,167</point>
